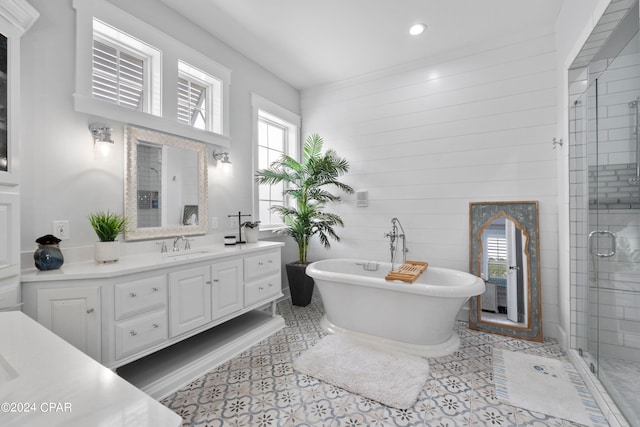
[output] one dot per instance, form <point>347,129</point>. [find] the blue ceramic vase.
<point>48,256</point>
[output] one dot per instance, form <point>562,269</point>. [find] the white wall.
<point>60,177</point>
<point>426,139</point>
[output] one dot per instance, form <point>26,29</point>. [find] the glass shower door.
<point>613,244</point>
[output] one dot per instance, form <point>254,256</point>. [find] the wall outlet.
<point>61,229</point>
<point>214,222</point>
<point>233,222</point>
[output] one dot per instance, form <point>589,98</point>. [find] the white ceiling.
<point>312,42</point>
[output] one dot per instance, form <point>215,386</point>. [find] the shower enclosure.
<point>604,190</point>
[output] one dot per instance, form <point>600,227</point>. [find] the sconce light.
<point>102,141</point>
<point>225,163</point>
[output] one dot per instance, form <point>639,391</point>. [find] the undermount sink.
<point>188,254</point>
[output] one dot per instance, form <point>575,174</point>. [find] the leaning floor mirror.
<point>504,251</point>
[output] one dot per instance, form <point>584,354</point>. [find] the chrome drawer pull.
<point>132,295</point>
<point>260,263</point>
<point>133,333</point>
<point>155,289</point>
<point>155,325</point>
<point>91,310</point>
<point>260,288</point>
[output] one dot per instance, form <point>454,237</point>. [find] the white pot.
<point>107,251</point>
<point>251,234</point>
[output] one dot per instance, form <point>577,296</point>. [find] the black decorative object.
<point>48,255</point>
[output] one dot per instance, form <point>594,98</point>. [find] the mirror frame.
<point>525,215</point>
<point>133,134</point>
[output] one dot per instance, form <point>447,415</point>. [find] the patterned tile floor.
<point>260,388</point>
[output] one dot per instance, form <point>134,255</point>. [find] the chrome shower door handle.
<point>603,233</point>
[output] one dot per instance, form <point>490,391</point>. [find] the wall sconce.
<point>102,141</point>
<point>225,163</point>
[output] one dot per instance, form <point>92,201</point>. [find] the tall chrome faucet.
<point>397,232</point>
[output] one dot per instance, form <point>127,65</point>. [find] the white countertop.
<point>129,264</point>
<point>44,381</point>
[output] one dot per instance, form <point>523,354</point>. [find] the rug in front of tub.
<point>544,385</point>
<point>389,377</point>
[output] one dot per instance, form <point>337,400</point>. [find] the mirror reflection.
<point>165,185</point>
<point>504,248</point>
<point>504,267</point>
<point>167,180</point>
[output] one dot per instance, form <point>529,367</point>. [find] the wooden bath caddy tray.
<point>408,272</point>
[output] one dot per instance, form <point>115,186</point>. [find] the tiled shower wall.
<point>149,178</point>
<point>606,312</point>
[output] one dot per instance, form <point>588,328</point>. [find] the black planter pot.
<point>300,285</point>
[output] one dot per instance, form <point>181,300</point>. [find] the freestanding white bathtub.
<point>416,318</point>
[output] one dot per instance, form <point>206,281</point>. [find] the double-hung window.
<point>277,134</point>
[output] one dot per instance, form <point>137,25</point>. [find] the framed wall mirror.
<point>165,185</point>
<point>504,251</point>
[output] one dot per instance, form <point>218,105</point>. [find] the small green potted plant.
<point>307,184</point>
<point>108,226</point>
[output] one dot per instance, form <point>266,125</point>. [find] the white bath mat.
<point>391,378</point>
<point>544,385</point>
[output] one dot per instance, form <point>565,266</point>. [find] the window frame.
<point>151,57</point>
<point>288,120</point>
<point>171,50</point>
<point>214,95</point>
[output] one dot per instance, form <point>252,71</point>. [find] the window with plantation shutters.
<point>192,108</point>
<point>497,248</point>
<point>199,98</point>
<point>497,257</point>
<point>125,71</point>
<point>118,76</point>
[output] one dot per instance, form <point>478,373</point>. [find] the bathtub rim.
<point>475,286</point>
<point>427,351</point>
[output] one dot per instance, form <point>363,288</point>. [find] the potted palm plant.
<point>108,227</point>
<point>307,185</point>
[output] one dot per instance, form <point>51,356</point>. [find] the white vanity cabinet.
<point>72,313</point>
<point>121,312</point>
<point>262,277</point>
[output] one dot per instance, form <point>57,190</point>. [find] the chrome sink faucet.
<point>397,232</point>
<point>175,243</point>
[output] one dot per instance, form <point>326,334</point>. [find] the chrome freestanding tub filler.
<point>416,318</point>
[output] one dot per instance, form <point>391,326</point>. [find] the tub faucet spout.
<point>397,233</point>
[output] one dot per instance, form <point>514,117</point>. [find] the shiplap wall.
<point>426,139</point>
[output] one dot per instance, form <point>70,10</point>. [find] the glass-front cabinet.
<point>16,17</point>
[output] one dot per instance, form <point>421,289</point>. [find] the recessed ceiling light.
<point>417,29</point>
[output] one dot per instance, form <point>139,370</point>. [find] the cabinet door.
<point>74,315</point>
<point>189,299</point>
<point>227,292</point>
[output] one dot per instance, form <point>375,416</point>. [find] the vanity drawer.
<point>261,290</point>
<point>259,266</point>
<point>140,333</point>
<point>140,295</point>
